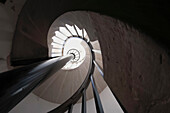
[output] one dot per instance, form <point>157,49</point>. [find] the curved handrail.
<point>76,96</point>
<point>18,83</point>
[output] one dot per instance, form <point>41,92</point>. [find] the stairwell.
<point>135,55</point>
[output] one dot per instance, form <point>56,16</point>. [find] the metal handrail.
<point>23,80</point>
<point>18,83</point>
<point>81,92</point>
<point>77,95</point>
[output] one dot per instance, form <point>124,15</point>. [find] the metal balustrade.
<point>18,83</point>
<point>81,92</point>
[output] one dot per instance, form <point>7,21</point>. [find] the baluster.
<point>84,101</point>
<point>98,68</point>
<point>70,108</point>
<point>98,103</point>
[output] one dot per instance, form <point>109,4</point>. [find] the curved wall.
<point>7,28</point>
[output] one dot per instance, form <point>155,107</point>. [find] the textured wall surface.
<point>135,67</point>
<point>37,16</point>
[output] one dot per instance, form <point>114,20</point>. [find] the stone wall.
<point>135,67</point>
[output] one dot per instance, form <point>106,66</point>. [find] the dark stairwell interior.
<point>134,39</point>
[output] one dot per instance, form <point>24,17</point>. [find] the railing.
<point>18,83</point>
<point>81,92</point>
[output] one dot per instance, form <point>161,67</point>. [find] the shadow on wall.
<point>6,34</point>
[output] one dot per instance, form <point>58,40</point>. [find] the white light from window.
<point>55,39</point>
<point>60,35</point>
<point>65,31</point>
<point>71,29</point>
<point>79,31</point>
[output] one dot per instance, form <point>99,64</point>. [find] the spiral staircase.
<point>69,45</point>
<point>68,53</point>
<point>70,40</point>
